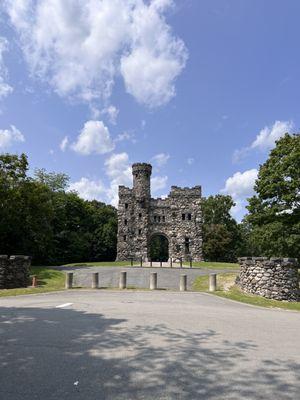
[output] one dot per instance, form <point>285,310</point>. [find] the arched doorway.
<point>159,247</point>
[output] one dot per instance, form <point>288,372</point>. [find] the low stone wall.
<point>274,278</point>
<point>14,271</point>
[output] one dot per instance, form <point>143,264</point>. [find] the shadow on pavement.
<point>48,353</point>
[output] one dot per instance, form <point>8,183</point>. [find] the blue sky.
<point>201,89</point>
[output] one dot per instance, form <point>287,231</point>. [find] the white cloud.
<point>158,183</point>
<point>265,139</point>
<point>118,169</point>
<point>269,134</point>
<point>5,88</point>
<point>64,143</point>
<point>10,136</point>
<point>111,112</point>
<point>80,47</point>
<point>240,186</point>
<point>125,136</point>
<point>161,159</point>
<point>94,138</point>
<point>190,161</point>
<point>89,189</point>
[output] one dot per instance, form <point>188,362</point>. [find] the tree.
<point>221,236</point>
<point>40,218</point>
<point>55,181</point>
<point>274,212</point>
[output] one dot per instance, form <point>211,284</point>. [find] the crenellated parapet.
<point>185,191</point>
<point>274,278</point>
<point>14,271</point>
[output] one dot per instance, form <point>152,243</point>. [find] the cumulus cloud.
<point>94,138</point>
<point>265,139</point>
<point>64,143</point>
<point>161,159</point>
<point>118,171</point>
<point>89,189</point>
<point>158,183</point>
<point>240,186</point>
<point>112,113</point>
<point>190,161</point>
<point>5,88</point>
<point>10,136</point>
<point>80,47</point>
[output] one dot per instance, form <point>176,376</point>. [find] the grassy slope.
<point>215,265</point>
<point>226,281</point>
<point>102,264</point>
<point>48,280</point>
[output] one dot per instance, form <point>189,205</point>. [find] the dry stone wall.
<point>14,271</point>
<point>274,278</point>
<point>177,217</point>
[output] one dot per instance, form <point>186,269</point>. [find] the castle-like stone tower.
<point>140,218</point>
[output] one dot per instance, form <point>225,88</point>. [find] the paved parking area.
<point>88,345</point>
<point>138,277</point>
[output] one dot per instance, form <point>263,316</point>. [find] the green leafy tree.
<point>274,212</point>
<point>221,235</point>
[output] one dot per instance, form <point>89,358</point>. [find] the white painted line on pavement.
<point>64,305</point>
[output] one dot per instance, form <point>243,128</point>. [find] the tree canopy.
<point>40,218</point>
<point>274,211</point>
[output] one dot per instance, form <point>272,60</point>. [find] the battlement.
<point>141,167</point>
<point>186,191</point>
<point>124,191</point>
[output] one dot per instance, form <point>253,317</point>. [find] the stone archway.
<point>158,247</point>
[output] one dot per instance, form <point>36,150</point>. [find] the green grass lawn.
<point>49,280</point>
<point>214,265</point>
<point>102,264</point>
<point>226,288</point>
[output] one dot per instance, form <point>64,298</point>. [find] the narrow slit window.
<point>158,218</point>
<point>125,238</point>
<point>140,216</point>
<point>189,217</point>
<point>140,231</point>
<point>155,218</point>
<point>164,218</point>
<point>126,206</point>
<point>183,217</point>
<point>125,221</point>
<point>187,244</point>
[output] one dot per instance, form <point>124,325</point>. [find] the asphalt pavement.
<point>96,344</point>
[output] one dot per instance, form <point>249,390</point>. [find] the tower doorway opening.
<point>159,248</point>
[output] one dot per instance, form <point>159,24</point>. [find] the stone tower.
<point>140,218</point>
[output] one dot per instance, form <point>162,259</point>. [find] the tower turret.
<point>141,180</point>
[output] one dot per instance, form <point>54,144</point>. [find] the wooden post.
<point>34,281</point>
<point>191,262</point>
<point>171,262</point>
<point>141,261</point>
<point>160,263</point>
<point>180,262</point>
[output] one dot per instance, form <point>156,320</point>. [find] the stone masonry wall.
<point>140,217</point>
<point>275,278</point>
<point>14,271</point>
